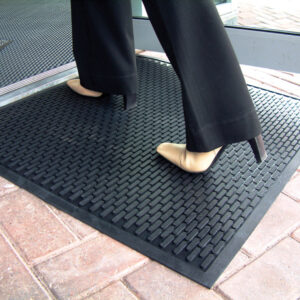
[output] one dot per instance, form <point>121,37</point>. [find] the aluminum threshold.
<point>37,83</point>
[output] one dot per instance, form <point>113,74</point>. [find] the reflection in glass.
<point>280,15</point>
<point>283,15</point>
<point>226,8</point>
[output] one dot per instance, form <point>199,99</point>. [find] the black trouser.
<point>218,109</point>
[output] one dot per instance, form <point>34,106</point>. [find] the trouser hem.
<point>224,133</point>
<point>112,85</point>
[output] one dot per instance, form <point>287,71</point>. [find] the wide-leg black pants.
<point>218,109</point>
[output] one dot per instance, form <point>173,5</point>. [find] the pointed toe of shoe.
<point>171,152</point>
<point>192,162</point>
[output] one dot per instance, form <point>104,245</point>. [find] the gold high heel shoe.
<point>200,162</point>
<point>74,85</point>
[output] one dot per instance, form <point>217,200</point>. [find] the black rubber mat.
<point>97,162</point>
<point>41,31</point>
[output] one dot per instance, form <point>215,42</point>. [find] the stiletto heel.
<point>129,101</point>
<point>258,148</point>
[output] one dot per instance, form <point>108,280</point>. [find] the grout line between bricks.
<point>248,254</point>
<point>291,197</point>
<point>291,234</point>
<point>218,288</point>
<point>132,289</point>
<point>273,244</point>
<point>260,81</point>
<point>255,258</point>
<point>49,207</point>
<point>14,244</point>
<point>97,288</point>
<point>110,284</point>
<point>134,268</point>
<point>63,249</point>
<point>222,294</point>
<point>53,253</point>
<point>277,76</point>
<point>252,257</point>
<point>133,292</point>
<point>43,286</point>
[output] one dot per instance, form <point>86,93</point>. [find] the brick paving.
<point>273,275</point>
<point>47,254</point>
<point>88,267</point>
<point>292,188</point>
<point>275,226</point>
<point>269,14</point>
<point>16,279</point>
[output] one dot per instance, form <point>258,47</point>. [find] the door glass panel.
<point>278,15</point>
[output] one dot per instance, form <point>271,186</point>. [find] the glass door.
<point>276,15</point>
<point>264,33</point>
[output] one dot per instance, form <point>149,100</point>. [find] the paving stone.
<point>79,228</point>
<point>116,291</point>
<point>92,265</point>
<point>15,281</point>
<point>31,225</point>
<point>272,16</point>
<point>237,263</point>
<point>292,189</point>
<point>273,81</point>
<point>256,76</point>
<point>155,281</point>
<point>6,187</point>
<point>296,235</point>
<point>284,76</point>
<point>283,215</point>
<point>275,275</point>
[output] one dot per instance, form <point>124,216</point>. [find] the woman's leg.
<point>103,45</point>
<point>218,109</point>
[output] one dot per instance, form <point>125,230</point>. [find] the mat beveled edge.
<point>111,230</point>
<point>207,278</point>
